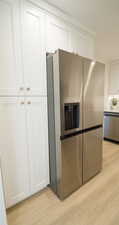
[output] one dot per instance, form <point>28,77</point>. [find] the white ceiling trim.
<point>57,12</point>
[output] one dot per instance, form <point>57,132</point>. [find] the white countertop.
<point>116,110</point>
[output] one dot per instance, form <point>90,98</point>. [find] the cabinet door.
<point>11,80</point>
<point>58,35</point>
<point>82,44</point>
<point>34,51</point>
<point>2,204</point>
<point>13,149</point>
<point>37,142</point>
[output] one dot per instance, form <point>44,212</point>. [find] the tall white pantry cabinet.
<point>23,101</point>
<point>27,32</point>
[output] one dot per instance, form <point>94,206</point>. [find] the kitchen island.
<point>111,125</point>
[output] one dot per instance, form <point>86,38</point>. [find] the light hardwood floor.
<point>96,203</point>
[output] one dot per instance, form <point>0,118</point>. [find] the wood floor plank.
<point>96,203</point>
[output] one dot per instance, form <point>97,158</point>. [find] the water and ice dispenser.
<point>72,115</point>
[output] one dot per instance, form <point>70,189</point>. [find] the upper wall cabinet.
<point>34,54</point>
<point>58,35</point>
<point>27,33</point>
<point>82,44</point>
<point>11,79</point>
<point>114,78</point>
<point>64,36</point>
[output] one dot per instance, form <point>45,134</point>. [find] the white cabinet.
<point>37,132</point>
<point>58,35</point>
<point>11,78</point>
<point>81,44</point>
<point>34,54</point>
<point>61,35</point>
<point>22,50</point>
<point>114,78</point>
<point>13,148</point>
<point>23,146</point>
<point>3,220</point>
<point>78,43</point>
<point>23,133</point>
<point>26,33</point>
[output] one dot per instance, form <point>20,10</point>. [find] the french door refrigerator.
<point>75,116</point>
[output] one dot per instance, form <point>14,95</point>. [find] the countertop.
<point>111,111</point>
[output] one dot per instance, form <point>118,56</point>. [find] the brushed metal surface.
<point>93,93</point>
<point>65,71</point>
<point>92,154</point>
<point>111,127</point>
<point>71,84</point>
<point>93,106</point>
<point>67,79</point>
<point>57,118</point>
<point>75,160</point>
<point>51,124</point>
<point>71,173</point>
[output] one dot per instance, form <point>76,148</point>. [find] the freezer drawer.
<point>71,169</point>
<point>92,153</point>
<point>111,127</point>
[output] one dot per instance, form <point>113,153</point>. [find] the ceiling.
<point>101,16</point>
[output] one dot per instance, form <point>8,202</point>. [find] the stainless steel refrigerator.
<point>75,114</point>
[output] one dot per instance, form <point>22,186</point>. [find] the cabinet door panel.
<point>10,61</point>
<point>37,142</point>
<point>2,204</point>
<point>13,148</point>
<point>34,51</point>
<point>82,44</point>
<point>57,35</point>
